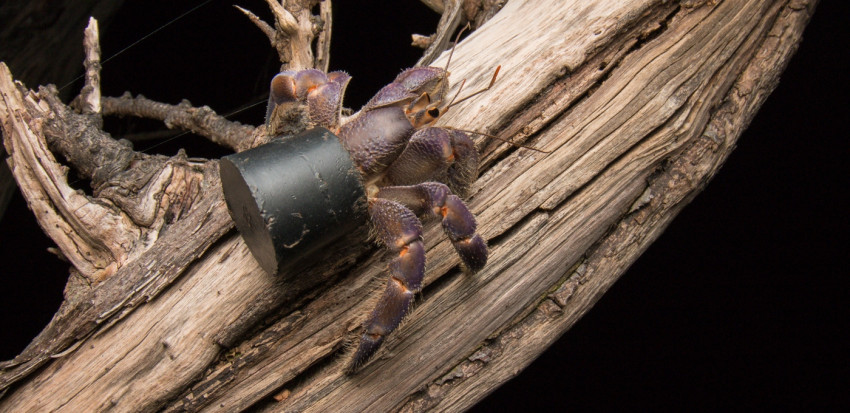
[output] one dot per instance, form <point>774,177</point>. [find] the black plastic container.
<point>293,195</point>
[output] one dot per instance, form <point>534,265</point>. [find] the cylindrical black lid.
<point>292,195</point>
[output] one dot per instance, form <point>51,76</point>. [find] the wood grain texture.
<point>36,55</point>
<point>637,104</point>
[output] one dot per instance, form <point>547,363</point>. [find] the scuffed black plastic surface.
<point>292,196</point>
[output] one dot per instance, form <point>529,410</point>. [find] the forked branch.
<point>295,28</point>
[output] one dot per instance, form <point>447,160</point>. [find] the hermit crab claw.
<point>321,92</point>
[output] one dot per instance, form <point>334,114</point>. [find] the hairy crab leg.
<point>400,230</point>
<point>437,154</point>
<point>458,223</point>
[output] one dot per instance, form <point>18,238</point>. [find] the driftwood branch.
<point>37,56</point>
<point>454,13</point>
<point>476,12</point>
<point>200,120</point>
<point>90,101</point>
<point>636,103</point>
<point>294,29</point>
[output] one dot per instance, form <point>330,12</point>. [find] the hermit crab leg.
<point>458,223</point>
<point>393,212</point>
<point>436,153</point>
<point>398,228</point>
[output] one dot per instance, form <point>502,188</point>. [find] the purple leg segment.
<point>399,229</point>
<point>458,223</point>
<point>394,213</point>
<point>437,154</point>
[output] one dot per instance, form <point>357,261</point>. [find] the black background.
<point>740,304</point>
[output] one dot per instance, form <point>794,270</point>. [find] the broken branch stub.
<point>295,28</point>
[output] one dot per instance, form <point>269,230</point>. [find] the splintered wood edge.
<point>66,215</point>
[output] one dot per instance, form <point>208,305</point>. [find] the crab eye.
<point>434,113</point>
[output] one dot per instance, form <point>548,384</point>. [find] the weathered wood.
<point>37,56</point>
<point>636,103</point>
<point>202,121</point>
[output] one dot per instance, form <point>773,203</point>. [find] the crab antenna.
<point>449,60</point>
<point>492,81</point>
<point>463,82</point>
<point>509,142</point>
<point>452,52</point>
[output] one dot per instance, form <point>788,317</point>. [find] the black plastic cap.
<point>292,196</point>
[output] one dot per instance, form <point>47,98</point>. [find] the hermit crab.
<point>407,169</point>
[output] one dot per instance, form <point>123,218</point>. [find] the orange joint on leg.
<point>448,152</point>
<point>403,251</point>
<point>401,285</point>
